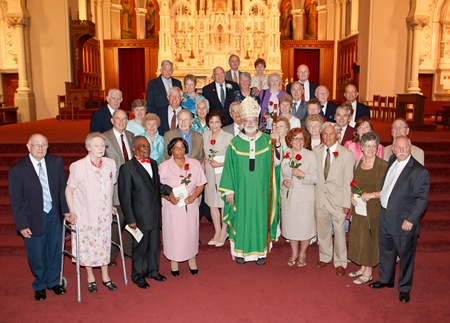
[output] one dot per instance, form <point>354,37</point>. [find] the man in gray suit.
<point>234,73</point>
<point>335,172</point>
<point>236,127</point>
<point>299,104</point>
<point>118,147</point>
<point>404,198</point>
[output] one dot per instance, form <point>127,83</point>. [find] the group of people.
<point>303,172</point>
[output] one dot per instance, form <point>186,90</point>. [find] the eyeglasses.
<point>298,139</point>
<point>39,145</point>
<point>398,127</point>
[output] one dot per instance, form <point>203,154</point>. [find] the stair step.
<point>438,202</point>
<point>438,169</point>
<point>439,184</point>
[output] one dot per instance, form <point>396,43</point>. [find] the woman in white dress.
<point>286,103</point>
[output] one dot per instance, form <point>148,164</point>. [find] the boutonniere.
<point>187,178</point>
<point>212,152</point>
<point>229,86</point>
<point>270,103</point>
<point>336,154</point>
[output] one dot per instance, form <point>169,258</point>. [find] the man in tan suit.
<point>121,153</point>
<point>193,138</point>
<point>335,172</point>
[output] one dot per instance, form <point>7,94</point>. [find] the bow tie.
<point>143,160</point>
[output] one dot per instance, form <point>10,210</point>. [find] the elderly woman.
<point>89,195</point>
<point>260,80</point>
<point>298,176</point>
<point>215,144</point>
<point>151,124</point>
<point>199,123</point>
<point>180,216</point>
<point>362,126</point>
<point>245,89</point>
<point>269,98</point>
<point>139,109</point>
<point>190,96</point>
<point>313,125</point>
<point>280,131</point>
<point>313,106</point>
<point>286,102</point>
<point>367,181</point>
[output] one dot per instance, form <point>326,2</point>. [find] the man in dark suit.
<point>298,104</point>
<point>101,119</point>
<point>236,127</point>
<point>308,87</point>
<point>220,93</point>
<point>118,147</point>
<point>404,198</point>
<point>36,189</point>
<point>342,117</point>
<point>158,88</point>
<point>140,199</point>
<point>233,73</point>
<point>328,107</point>
<point>359,109</point>
<point>169,114</point>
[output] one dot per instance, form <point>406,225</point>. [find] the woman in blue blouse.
<point>190,97</point>
<point>151,123</point>
<point>199,123</point>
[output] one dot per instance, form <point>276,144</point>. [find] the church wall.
<point>382,47</point>
<point>49,53</point>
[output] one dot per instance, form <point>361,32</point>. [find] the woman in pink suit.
<point>180,223</point>
<point>362,126</point>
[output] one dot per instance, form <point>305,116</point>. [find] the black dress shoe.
<point>40,295</point>
<point>58,289</point>
<point>240,261</point>
<point>175,273</point>
<point>158,277</point>
<point>110,285</point>
<point>92,288</point>
<point>404,297</point>
<point>143,284</point>
<point>260,262</point>
<point>378,285</point>
<point>193,271</point>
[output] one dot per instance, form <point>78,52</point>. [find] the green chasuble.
<point>247,219</point>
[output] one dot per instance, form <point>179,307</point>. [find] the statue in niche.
<point>220,5</point>
<point>150,18</point>
<point>311,19</point>
<point>286,20</point>
<point>128,19</point>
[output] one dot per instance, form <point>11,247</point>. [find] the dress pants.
<point>127,237</point>
<point>44,253</point>
<point>325,221</point>
<point>145,262</point>
<point>405,248</point>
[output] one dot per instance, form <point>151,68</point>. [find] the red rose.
<point>213,142</point>
<point>298,157</point>
<point>270,103</point>
<point>186,166</point>
<point>324,119</point>
<point>321,140</point>
<point>287,156</point>
<point>335,154</point>
<point>353,183</point>
<point>263,118</point>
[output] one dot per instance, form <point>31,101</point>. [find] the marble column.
<point>416,24</point>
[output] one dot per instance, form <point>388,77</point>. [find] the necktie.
<point>222,95</point>
<point>303,94</point>
<point>294,108</point>
<point>173,123</point>
<point>45,189</point>
<point>326,169</point>
<point>124,149</point>
<point>235,77</point>
<point>387,189</point>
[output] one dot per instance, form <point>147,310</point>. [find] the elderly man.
<point>298,104</point>
<point>158,88</point>
<point>233,73</point>
<point>404,198</point>
<point>118,147</point>
<point>220,93</point>
<point>101,119</point>
<point>335,172</point>
<point>308,87</point>
<point>359,109</point>
<point>169,115</point>
<point>36,186</point>
<point>236,127</point>
<point>328,107</point>
<point>193,138</point>
<point>400,128</point>
<point>140,198</point>
<point>245,187</point>
<point>342,117</point>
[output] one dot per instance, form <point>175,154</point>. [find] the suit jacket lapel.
<point>148,181</point>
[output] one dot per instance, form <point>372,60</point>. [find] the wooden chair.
<point>444,114</point>
<point>388,111</point>
<point>374,107</point>
<point>65,107</point>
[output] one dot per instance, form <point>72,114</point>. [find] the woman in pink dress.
<point>89,195</point>
<point>362,126</point>
<point>180,221</point>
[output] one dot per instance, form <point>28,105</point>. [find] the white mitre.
<point>249,108</point>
